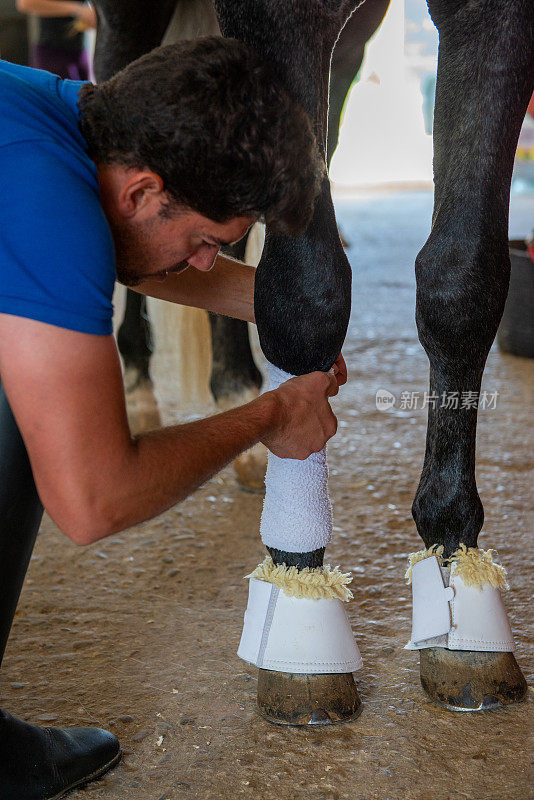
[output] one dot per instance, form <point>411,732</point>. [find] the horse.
<point>302,303</point>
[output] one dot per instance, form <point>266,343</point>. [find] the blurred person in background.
<point>59,46</point>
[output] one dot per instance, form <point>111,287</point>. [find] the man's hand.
<point>86,16</point>
<point>83,13</point>
<point>304,420</point>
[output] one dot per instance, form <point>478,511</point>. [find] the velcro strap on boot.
<point>450,613</point>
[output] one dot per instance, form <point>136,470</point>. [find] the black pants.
<point>20,516</point>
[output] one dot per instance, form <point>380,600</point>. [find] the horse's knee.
<point>303,337</point>
<point>303,298</point>
<point>461,290</point>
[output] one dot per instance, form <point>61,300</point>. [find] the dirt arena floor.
<point>139,633</point>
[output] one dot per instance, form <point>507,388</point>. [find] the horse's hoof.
<point>294,699</point>
<point>142,407</point>
<point>250,468</point>
<point>466,680</point>
<point>136,379</point>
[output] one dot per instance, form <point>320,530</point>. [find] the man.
<point>141,178</point>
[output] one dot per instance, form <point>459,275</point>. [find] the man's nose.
<point>204,258</point>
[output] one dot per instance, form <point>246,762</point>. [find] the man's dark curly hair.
<point>210,118</point>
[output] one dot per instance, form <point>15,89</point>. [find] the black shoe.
<point>46,763</point>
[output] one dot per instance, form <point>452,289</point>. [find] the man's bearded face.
<point>153,248</point>
<point>138,253</point>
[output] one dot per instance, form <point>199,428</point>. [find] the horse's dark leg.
<point>303,284</point>
<point>234,373</point>
<point>134,339</point>
<point>235,380</point>
<point>301,326</point>
<point>346,62</point>
<point>125,32</point>
<point>347,59</point>
<point>485,79</point>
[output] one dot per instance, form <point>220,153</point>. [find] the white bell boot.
<point>461,628</point>
<point>448,612</point>
<point>296,634</point>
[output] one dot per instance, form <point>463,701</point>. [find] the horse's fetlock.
<point>447,513</point>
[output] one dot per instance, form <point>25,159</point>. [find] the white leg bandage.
<point>297,513</point>
<point>457,602</point>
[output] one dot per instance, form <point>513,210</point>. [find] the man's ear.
<point>141,194</point>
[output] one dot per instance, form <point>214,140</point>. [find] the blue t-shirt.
<point>57,262</point>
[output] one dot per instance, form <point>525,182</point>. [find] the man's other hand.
<point>304,421</point>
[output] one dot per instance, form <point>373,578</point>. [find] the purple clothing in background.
<point>73,65</point>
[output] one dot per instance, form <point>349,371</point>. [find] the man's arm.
<point>228,288</point>
<point>93,477</point>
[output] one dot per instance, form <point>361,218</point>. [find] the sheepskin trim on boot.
<point>474,566</point>
<point>477,568</point>
<point>420,555</point>
<point>319,583</point>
